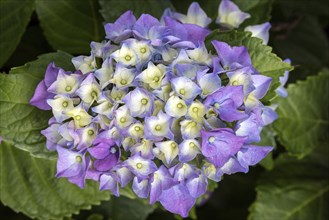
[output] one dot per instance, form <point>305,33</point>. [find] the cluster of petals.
<point>151,108</point>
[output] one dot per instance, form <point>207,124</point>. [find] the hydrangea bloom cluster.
<point>151,107</point>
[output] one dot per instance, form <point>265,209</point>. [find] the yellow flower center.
<point>94,94</point>
<point>158,127</point>
<point>127,57</point>
<point>68,88</point>
<point>192,145</point>
<point>122,120</point>
<point>139,165</point>
<point>144,101</point>
<point>78,159</point>
<point>156,79</point>
<point>211,139</point>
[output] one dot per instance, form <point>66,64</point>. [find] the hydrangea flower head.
<point>160,112</point>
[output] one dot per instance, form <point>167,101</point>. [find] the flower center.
<point>156,79</point>
<point>91,132</point>
<point>122,120</point>
<point>182,91</point>
<point>211,139</point>
<point>235,83</point>
<point>65,104</point>
<point>158,127</point>
<point>123,82</point>
<point>173,145</point>
<point>217,105</point>
<point>78,117</point>
<point>68,88</point>
<point>94,94</point>
<point>179,105</point>
<point>78,159</point>
<point>144,101</point>
<point>127,57</point>
<point>143,50</point>
<point>113,150</point>
<point>192,145</point>
<point>139,165</point>
<point>195,109</point>
<point>137,128</point>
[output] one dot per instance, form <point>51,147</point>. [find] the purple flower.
<point>41,94</point>
<point>158,127</point>
<point>158,98</point>
<point>149,28</point>
<point>140,103</point>
<point>243,77</point>
<point>72,165</point>
<point>208,82</point>
<point>250,155</point>
<point>106,153</point>
<point>229,15</point>
<point>160,181</point>
<point>53,137</point>
<point>260,31</point>
<point>177,199</point>
<point>197,186</point>
<point>124,175</point>
<point>261,85</point>
<point>183,172</point>
<point>281,91</point>
<point>188,150</point>
<point>109,181</point>
<point>250,127</point>
<point>121,29</point>
<point>220,144</point>
<point>185,35</point>
<point>139,166</point>
<point>226,102</point>
<point>195,15</point>
<point>230,58</point>
<point>141,187</point>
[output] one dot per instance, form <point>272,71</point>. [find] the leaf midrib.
<point>308,201</point>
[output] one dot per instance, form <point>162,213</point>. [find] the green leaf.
<point>28,185</point>
<point>15,16</point>
<point>21,123</point>
<point>32,45</point>
<point>295,189</point>
<point>120,208</point>
<point>112,9</point>
<point>266,62</point>
<point>303,116</point>
<point>70,25</point>
<point>123,208</point>
<point>305,43</point>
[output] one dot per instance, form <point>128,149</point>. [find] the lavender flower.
<point>161,112</point>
